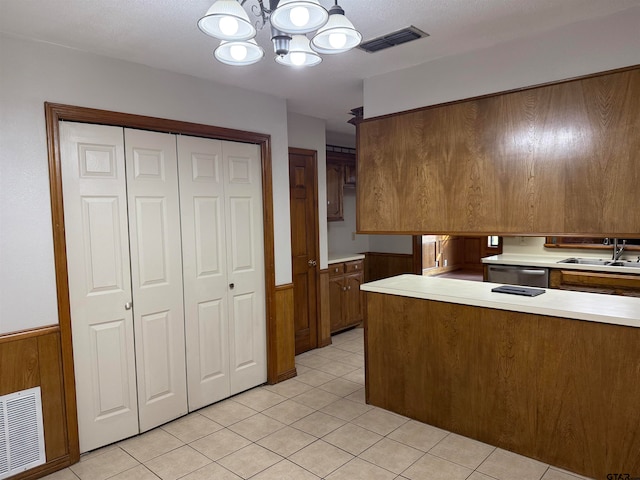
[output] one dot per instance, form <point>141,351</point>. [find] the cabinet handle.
<point>232,286</point>
<point>356,267</point>
<point>128,305</point>
<point>344,289</point>
<point>349,287</point>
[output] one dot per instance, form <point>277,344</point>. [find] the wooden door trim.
<point>54,113</point>
<point>314,157</point>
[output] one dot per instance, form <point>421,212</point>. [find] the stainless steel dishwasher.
<point>518,275</point>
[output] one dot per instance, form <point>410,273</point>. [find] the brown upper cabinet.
<point>558,159</point>
<point>341,173</point>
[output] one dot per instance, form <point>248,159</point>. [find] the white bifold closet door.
<point>96,230</point>
<point>223,254</point>
<point>156,275</point>
<point>165,257</point>
<point>122,229</point>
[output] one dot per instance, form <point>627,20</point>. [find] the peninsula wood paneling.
<point>561,158</point>
<point>558,390</point>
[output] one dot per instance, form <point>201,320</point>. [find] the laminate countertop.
<point>592,307</point>
<point>551,261</point>
<point>344,257</point>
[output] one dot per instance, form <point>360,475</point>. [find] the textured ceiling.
<point>163,34</point>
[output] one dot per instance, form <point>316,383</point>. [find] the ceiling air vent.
<point>392,39</point>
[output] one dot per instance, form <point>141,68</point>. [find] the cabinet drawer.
<point>336,269</point>
<point>355,266</point>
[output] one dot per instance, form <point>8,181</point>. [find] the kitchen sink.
<point>624,263</point>
<point>585,261</point>
<point>595,261</point>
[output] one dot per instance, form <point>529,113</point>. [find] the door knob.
<point>128,305</point>
<point>312,263</point>
<point>232,286</point>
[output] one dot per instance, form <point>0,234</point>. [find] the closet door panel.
<point>205,269</point>
<point>95,210</point>
<point>156,273</point>
<point>245,250</point>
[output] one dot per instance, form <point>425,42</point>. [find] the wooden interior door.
<point>95,214</point>
<point>156,275</point>
<point>303,189</point>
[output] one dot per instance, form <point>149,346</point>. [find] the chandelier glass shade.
<point>237,52</point>
<point>300,54</point>
<point>227,20</point>
<point>338,35</point>
<point>290,21</point>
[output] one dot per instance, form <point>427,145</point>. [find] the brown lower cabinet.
<point>595,282</point>
<point>345,297</point>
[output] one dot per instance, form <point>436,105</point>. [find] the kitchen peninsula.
<point>553,377</point>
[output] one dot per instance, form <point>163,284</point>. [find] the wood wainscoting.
<point>384,265</point>
<point>30,359</point>
<point>324,311</point>
<point>284,356</point>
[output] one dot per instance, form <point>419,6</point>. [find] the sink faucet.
<point>617,252</point>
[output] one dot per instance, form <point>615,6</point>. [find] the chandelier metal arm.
<point>259,10</point>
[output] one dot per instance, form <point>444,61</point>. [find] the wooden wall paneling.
<point>558,390</point>
<point>556,158</point>
<point>384,265</point>
<point>285,353</point>
<point>502,400</point>
<point>19,364</point>
<point>589,420</point>
<point>34,358</point>
<point>53,407</point>
<point>324,319</point>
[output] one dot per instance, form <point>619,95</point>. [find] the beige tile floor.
<point>313,426</point>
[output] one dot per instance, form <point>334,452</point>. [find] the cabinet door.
<point>353,299</point>
<point>97,242</point>
<point>336,297</point>
<point>156,275</point>
<point>335,182</point>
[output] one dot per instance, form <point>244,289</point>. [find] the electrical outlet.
<point>446,262</point>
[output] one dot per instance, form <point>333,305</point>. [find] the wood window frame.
<point>586,243</point>
<point>54,113</point>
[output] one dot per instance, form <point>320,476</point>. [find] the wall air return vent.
<point>21,432</point>
<point>392,39</point>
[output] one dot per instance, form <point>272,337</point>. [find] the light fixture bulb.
<point>299,16</point>
<point>228,25</point>
<point>298,58</point>
<point>337,40</point>
<point>238,52</point>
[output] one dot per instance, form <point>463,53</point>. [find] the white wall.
<point>309,132</point>
<point>342,236</point>
<point>32,73</point>
<point>391,243</point>
<point>574,50</point>
<point>535,246</point>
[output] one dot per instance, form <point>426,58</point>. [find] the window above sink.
<point>592,243</point>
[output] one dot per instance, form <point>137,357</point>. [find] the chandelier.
<point>290,21</point>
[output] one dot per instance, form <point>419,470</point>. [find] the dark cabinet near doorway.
<point>345,297</point>
<point>341,174</point>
